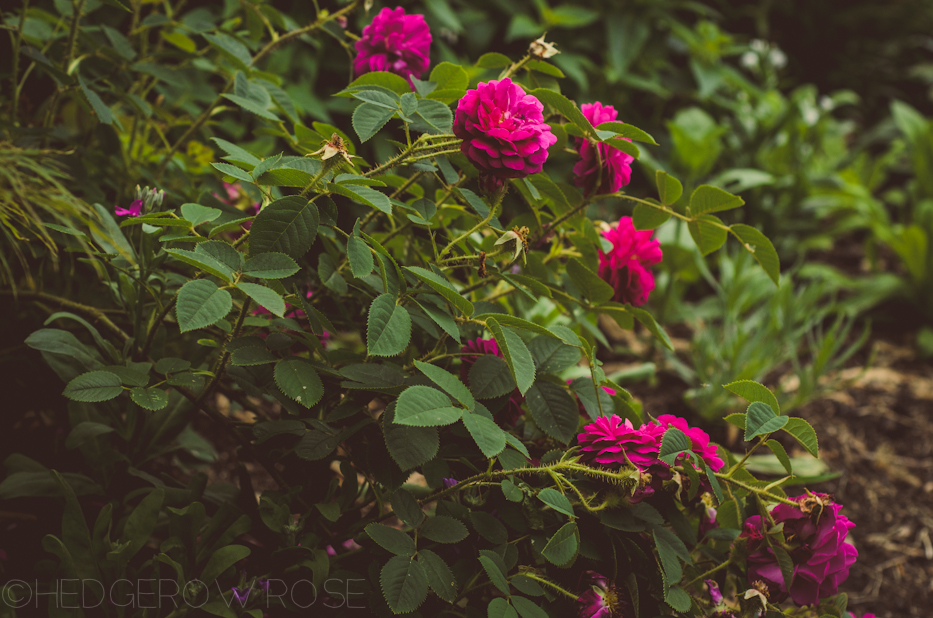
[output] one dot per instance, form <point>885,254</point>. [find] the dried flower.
<point>335,146</point>
<point>542,49</point>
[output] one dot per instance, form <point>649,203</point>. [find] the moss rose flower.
<point>602,599</point>
<point>503,130</point>
<point>394,42</point>
<point>815,532</point>
<point>616,165</point>
<point>624,266</point>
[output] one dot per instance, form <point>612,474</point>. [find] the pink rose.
<point>623,267</point>
<point>816,532</point>
<point>616,165</point>
<point>503,130</point>
<point>394,42</point>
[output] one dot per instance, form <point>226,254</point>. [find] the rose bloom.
<point>624,266</point>
<point>616,165</point>
<point>480,346</point>
<point>394,42</point>
<point>602,599</point>
<point>503,131</point>
<point>816,532</point>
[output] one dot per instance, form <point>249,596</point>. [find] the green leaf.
<point>714,483</point>
<point>288,225</point>
<point>630,131</point>
<point>315,445</point>
<point>786,563</point>
<point>221,560</point>
<point>490,377</point>
<point>528,608</point>
<point>450,76</point>
<point>495,574</point>
<point>753,391</point>
<point>552,355</point>
<point>596,401</point>
<point>778,449</point>
<point>390,81</point>
<point>449,382</point>
<point>388,328</point>
<point>369,118</point>
<point>409,446</point>
<point>377,97</point>
<point>222,252</point>
<point>493,60</point>
<point>363,195</point>
<point>360,256</point>
<point>103,112</point>
<point>566,107</point>
<point>556,501</point>
<point>516,355</point>
<point>149,398</point>
<point>562,547</point>
<point>761,249</point>
<point>86,431</point>
<point>142,523</point>
<point>432,117</point>
<point>266,297</point>
<point>647,320</point>
<point>233,50</point>
<point>407,508</point>
<point>500,608</point>
<point>760,419</point>
<point>444,288</point>
<point>649,218</point>
<point>623,145</point>
<point>589,283</point>
<point>708,232</point>
<point>440,578</point>
<point>443,529</point>
<point>391,539</point>
<point>329,275</point>
<point>553,410</point>
<point>511,491</point>
<point>489,527</point>
<point>423,406</point>
<point>237,154</point>
<point>94,386</point>
<point>737,419</point>
<point>233,171</point>
<point>803,433</point>
<point>442,318</point>
<point>488,436</point>
<point>195,214</point>
<point>297,379</point>
<point>270,266</point>
<point>203,262</point>
<point>505,319</point>
<point>678,599</point>
<point>673,444</point>
<point>250,355</point>
<point>712,199</point>
<point>671,550</point>
<point>669,188</point>
<point>253,106</point>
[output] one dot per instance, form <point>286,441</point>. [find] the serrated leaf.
<point>449,382</point>
<point>673,443</point>
<point>752,391</point>
<point>443,529</point>
<point>201,303</point>
<point>649,218</point>
<point>444,288</point>
<point>708,232</point>
<point>528,608</point>
<point>760,419</point>
<point>360,256</point>
<point>196,214</point>
<point>449,76</point>
<point>84,432</point>
<point>149,398</point>
<point>265,297</point>
<point>288,225</point>
<point>511,492</point>
<point>669,188</point>
<point>786,563</point>
<point>553,409</point>
<point>409,446</point>
<point>203,262</point>
<point>489,437</point>
<point>516,355</point>
<point>407,508</point>
<point>297,379</point>
<point>778,449</point>
<point>404,584</point>
<point>490,377</point>
<point>432,117</point>
<point>270,266</point>
<point>761,249</point>
<point>423,406</point>
<point>804,434</point>
<point>316,445</point>
<point>678,599</point>
<point>589,283</point>
<point>552,355</point>
<point>221,560</point>
<point>363,195</point>
<point>233,171</point>
<point>562,547</point>
<point>671,550</point>
<point>556,501</point>
<point>566,107</point>
<point>369,118</point>
<point>626,130</point>
<point>706,199</point>
<point>440,578</point>
<point>495,574</point>
<point>500,608</point>
<point>233,50</point>
<point>388,327</point>
<point>382,79</point>
<point>252,106</point>
<point>391,539</point>
<point>222,252</point>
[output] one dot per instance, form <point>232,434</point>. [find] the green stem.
<point>707,574</point>
<point>480,225</point>
<point>92,312</point>
<point>755,490</point>
<point>78,8</point>
<point>17,41</point>
<point>549,584</point>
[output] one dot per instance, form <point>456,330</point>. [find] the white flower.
<point>542,49</point>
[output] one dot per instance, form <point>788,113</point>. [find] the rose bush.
<point>456,446</point>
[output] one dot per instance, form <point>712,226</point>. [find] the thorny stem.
<point>225,356</point>
<point>755,490</point>
<point>707,574</point>
<point>480,225</point>
<point>92,312</point>
<point>549,584</point>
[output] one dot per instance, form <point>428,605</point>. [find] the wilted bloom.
<point>394,42</point>
<point>503,130</point>
<point>448,483</point>
<point>333,147</point>
<point>601,599</point>
<point>624,266</point>
<point>476,348</point>
<point>815,532</point>
<point>542,49</point>
<point>135,209</point>
<point>616,169</point>
<point>241,595</point>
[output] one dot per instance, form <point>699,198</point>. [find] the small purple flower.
<point>448,483</point>
<point>241,595</point>
<point>135,209</point>
<point>602,599</point>
<point>714,593</point>
<point>263,584</point>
